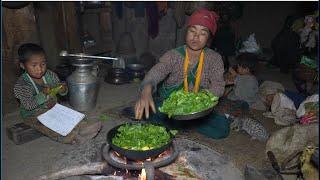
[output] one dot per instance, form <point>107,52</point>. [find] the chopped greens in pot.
<point>184,103</point>
<point>141,137</point>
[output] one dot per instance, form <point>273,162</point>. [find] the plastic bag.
<point>250,45</point>
<point>302,110</point>
<point>311,63</point>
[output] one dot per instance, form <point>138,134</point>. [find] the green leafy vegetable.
<point>174,132</point>
<point>104,117</point>
<point>182,103</point>
<point>54,91</point>
<point>141,137</point>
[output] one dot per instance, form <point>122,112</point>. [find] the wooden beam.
<point>72,26</point>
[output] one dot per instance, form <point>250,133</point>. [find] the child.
<point>245,83</point>
<point>33,91</point>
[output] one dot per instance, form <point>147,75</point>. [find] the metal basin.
<point>193,116</point>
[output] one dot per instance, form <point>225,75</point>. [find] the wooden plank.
<point>19,27</point>
<point>60,27</point>
<point>73,29</point>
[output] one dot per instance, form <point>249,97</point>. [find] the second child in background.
<point>246,85</point>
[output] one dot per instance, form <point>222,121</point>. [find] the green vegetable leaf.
<point>182,103</point>
<point>141,137</point>
<point>54,91</point>
<point>103,117</point>
<point>174,132</point>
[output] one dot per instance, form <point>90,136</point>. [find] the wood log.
<point>87,169</point>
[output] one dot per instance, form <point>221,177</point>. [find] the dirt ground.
<point>36,157</point>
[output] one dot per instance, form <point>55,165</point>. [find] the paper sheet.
<point>61,119</point>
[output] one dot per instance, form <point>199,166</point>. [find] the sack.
<point>289,140</point>
<point>283,110</point>
<point>281,101</point>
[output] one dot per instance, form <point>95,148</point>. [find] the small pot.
<point>117,76</point>
<point>136,71</point>
<point>136,75</point>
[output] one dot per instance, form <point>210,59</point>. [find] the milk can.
<point>83,87</point>
<point>83,83</point>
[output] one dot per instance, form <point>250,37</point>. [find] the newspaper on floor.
<point>61,119</point>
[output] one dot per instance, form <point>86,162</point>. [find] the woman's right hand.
<point>145,102</point>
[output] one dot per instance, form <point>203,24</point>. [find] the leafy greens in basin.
<point>142,137</point>
<point>184,103</point>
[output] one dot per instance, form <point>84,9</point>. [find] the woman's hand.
<point>145,102</point>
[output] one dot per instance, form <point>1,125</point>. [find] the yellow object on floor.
<point>308,170</point>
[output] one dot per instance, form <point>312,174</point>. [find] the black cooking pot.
<point>137,155</point>
<point>136,71</point>
<point>117,76</point>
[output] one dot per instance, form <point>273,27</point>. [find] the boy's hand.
<point>51,101</point>
<point>63,88</point>
<point>46,90</point>
<point>229,79</point>
<point>232,72</point>
<point>229,82</point>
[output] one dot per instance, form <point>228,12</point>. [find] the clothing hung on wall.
<point>162,7</point>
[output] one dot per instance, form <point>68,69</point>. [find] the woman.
<point>192,67</point>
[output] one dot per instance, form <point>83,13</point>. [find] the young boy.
<point>34,91</point>
<point>245,83</point>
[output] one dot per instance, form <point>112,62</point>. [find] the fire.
<point>139,162</point>
<point>121,157</point>
<point>164,153</point>
<point>143,175</point>
<point>117,154</point>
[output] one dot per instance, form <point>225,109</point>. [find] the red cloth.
<point>206,18</point>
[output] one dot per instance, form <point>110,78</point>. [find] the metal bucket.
<point>83,88</point>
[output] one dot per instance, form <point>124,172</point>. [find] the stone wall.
<point>265,19</point>
<point>138,27</point>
